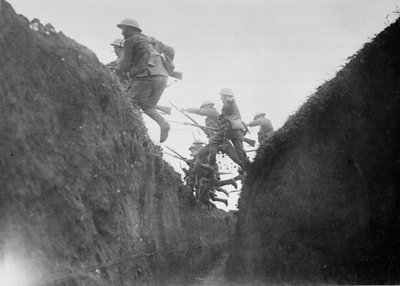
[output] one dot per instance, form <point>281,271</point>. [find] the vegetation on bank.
<point>322,199</point>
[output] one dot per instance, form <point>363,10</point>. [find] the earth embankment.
<point>321,203</point>
<point>86,198</point>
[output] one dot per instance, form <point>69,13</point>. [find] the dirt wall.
<point>86,198</point>
<point>321,202</point>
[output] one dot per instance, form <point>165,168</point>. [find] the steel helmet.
<point>192,147</point>
<point>118,43</point>
<point>258,114</point>
<point>130,23</point>
<point>204,103</point>
<point>227,91</point>
<point>198,141</point>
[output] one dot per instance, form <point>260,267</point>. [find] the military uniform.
<point>145,65</point>
<point>234,132</point>
<point>211,114</point>
<point>266,129</point>
<point>212,120</point>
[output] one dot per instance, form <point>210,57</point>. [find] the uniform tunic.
<point>211,118</point>
<point>265,130</point>
<point>144,64</point>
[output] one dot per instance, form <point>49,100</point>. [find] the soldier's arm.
<point>139,47</point>
<point>256,122</point>
<point>203,112</point>
<point>125,61</point>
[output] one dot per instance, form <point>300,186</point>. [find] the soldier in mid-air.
<point>143,60</point>
<point>234,130</point>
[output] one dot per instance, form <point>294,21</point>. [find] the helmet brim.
<point>259,115</point>
<point>121,26</point>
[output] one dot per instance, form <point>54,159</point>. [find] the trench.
<point>212,274</point>
<point>215,275</point>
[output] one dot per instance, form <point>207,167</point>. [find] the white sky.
<point>272,53</point>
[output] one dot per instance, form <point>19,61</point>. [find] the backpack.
<point>167,53</point>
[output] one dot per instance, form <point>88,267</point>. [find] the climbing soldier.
<point>212,121</point>
<point>266,129</point>
<point>233,131</point>
<point>208,110</point>
<point>143,60</point>
<point>195,147</point>
<point>118,45</point>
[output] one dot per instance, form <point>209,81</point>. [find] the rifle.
<point>187,116</point>
<point>179,155</point>
<point>253,150</point>
<point>187,161</point>
<point>176,74</point>
<point>249,141</point>
<point>196,125</point>
<point>165,109</point>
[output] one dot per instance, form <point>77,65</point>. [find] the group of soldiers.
<point>226,133</point>
<point>143,66</point>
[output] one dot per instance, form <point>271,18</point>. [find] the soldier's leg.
<point>205,187</point>
<point>237,136</point>
<point>209,149</point>
<point>214,198</point>
<point>158,84</point>
<point>140,91</point>
<point>215,144</point>
<point>231,152</point>
<point>226,182</point>
<point>157,117</point>
<point>222,190</point>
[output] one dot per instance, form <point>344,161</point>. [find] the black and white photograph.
<point>194,143</point>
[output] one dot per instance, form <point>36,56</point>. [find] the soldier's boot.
<point>164,132</point>
<point>219,189</point>
<point>223,201</point>
<point>164,125</point>
<point>228,182</point>
<point>233,183</point>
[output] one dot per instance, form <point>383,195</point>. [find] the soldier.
<point>142,59</point>
<point>208,110</point>
<point>234,131</point>
<point>118,45</point>
<point>213,197</point>
<point>266,129</point>
<point>195,147</point>
<point>209,183</point>
<point>191,177</point>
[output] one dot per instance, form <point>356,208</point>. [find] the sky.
<point>272,53</point>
